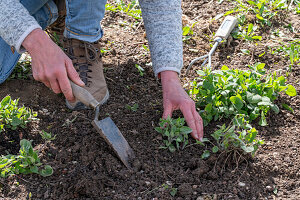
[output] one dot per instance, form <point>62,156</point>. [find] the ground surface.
<point>86,168</point>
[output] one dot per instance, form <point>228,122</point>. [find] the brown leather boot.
<point>86,58</point>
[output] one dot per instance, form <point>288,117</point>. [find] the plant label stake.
<point>222,34</point>
<point>106,127</point>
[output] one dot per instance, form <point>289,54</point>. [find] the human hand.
<point>174,98</point>
<point>50,64</point>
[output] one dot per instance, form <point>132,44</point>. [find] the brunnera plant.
<point>239,135</point>
<point>26,162</point>
<point>12,116</point>
<point>174,133</point>
<point>227,92</point>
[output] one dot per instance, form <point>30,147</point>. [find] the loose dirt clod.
<point>185,190</point>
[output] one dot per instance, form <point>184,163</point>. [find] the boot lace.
<point>92,54</point>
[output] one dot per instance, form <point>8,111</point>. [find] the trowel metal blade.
<point>113,136</point>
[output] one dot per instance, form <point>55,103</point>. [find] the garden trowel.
<point>106,127</point>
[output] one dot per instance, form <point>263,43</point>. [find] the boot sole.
<point>81,106</point>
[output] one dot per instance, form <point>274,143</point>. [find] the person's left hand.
<point>174,98</point>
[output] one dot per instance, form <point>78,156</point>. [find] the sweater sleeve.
<point>15,23</point>
<point>162,19</point>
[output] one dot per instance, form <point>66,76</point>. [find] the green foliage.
<point>47,136</point>
<point>187,31</point>
<point>253,14</point>
<point>228,92</point>
<point>175,132</point>
<point>239,135</point>
<point>132,9</point>
<point>12,116</point>
<point>173,191</point>
<point>263,10</point>
<point>133,108</point>
<point>22,70</point>
<point>246,33</point>
<point>290,50</point>
<point>26,162</point>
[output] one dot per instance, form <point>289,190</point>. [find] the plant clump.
<point>26,162</point>
<point>12,116</point>
<point>239,135</point>
<point>174,132</point>
<point>227,92</point>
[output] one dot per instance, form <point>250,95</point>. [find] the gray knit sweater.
<point>162,20</point>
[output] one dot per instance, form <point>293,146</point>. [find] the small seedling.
<point>140,69</point>
<point>187,32</point>
<point>290,50</point>
<point>173,191</point>
<point>175,132</point>
<point>47,136</point>
<point>133,108</point>
<point>246,33</point>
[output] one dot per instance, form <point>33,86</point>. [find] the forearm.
<point>15,23</point>
<point>163,25</point>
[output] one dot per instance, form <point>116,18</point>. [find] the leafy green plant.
<point>22,70</point>
<point>228,92</point>
<point>12,116</point>
<point>247,34</point>
<point>175,132</point>
<point>187,31</point>
<point>291,50</point>
<point>263,10</point>
<point>26,162</point>
<point>47,136</point>
<point>133,108</point>
<point>132,9</point>
<point>239,135</point>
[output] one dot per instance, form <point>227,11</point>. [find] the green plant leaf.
<point>259,17</point>
<point>237,102</point>
<point>291,91</point>
<point>205,154</point>
<point>263,120</point>
<point>287,107</point>
<point>248,149</point>
<point>34,169</point>
<point>257,38</point>
<point>208,108</point>
<point>215,149</point>
<point>185,30</point>
<point>245,51</point>
<point>255,98</point>
<point>173,192</point>
<point>47,171</point>
<point>224,67</point>
<point>201,73</point>
<point>158,129</point>
<point>275,108</point>
<point>6,100</point>
<point>172,148</point>
<point>185,130</point>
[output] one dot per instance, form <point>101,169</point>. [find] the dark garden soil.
<point>86,168</point>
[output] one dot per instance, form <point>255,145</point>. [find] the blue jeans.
<point>82,23</point>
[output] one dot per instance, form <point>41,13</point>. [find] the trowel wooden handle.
<point>83,95</point>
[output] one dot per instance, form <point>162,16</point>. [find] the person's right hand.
<point>50,64</point>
